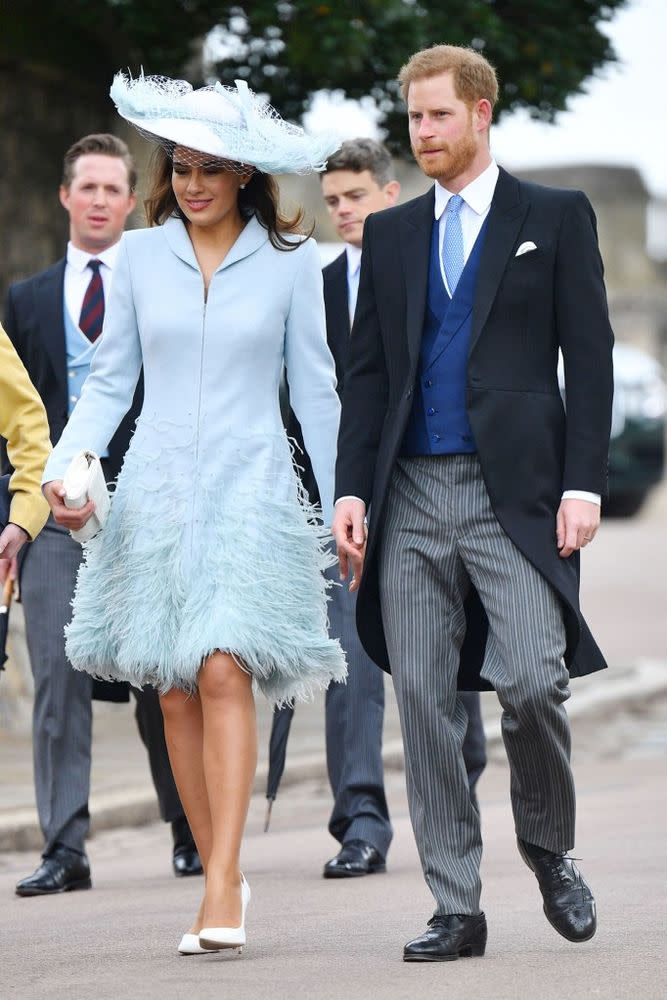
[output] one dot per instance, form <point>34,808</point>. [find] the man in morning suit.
<point>358,180</point>
<point>482,488</point>
<point>54,320</point>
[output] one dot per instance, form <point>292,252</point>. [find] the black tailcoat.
<point>526,310</point>
<point>338,337</point>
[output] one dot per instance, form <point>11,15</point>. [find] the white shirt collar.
<point>477,195</point>
<point>78,259</point>
<point>353,259</point>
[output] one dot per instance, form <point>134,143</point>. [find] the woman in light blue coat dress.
<point>206,580</point>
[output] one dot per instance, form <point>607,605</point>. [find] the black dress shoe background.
<point>63,870</point>
<point>569,905</point>
<point>185,859</point>
<point>451,936</point>
<point>355,858</point>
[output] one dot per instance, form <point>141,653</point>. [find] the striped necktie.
<point>92,310</point>
<point>452,245</point>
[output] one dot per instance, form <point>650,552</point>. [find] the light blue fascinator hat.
<point>229,123</point>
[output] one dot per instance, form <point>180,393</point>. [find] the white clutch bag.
<point>84,481</point>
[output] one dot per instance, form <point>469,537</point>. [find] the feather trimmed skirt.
<point>232,561</point>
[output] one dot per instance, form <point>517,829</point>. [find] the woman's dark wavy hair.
<point>260,197</point>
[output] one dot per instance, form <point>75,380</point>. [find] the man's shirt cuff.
<point>349,498</point>
<point>582,495</point>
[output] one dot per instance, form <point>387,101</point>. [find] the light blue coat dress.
<point>209,544</point>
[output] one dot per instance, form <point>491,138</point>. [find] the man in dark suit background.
<point>481,488</point>
<point>54,320</point>
<point>358,180</point>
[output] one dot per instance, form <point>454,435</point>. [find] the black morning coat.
<point>34,321</point>
<point>526,308</point>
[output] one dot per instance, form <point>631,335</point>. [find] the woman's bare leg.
<point>184,733</point>
<point>230,760</point>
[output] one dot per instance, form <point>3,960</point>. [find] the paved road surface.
<point>310,938</point>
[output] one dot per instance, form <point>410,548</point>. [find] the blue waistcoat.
<point>80,354</point>
<point>438,423</point>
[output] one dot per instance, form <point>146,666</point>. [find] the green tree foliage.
<point>544,50</point>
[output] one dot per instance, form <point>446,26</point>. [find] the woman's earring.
<point>243,187</point>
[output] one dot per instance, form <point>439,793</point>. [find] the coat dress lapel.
<point>251,238</point>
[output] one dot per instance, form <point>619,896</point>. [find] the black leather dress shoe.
<point>62,870</point>
<point>569,905</point>
<point>186,861</point>
<point>452,936</point>
<point>355,858</point>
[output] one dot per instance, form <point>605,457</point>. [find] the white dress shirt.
<point>78,275</point>
<point>477,197</point>
<point>353,268</point>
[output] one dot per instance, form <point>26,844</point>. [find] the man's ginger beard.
<point>453,159</point>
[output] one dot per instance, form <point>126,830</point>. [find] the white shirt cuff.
<point>567,495</point>
<point>349,498</point>
<point>582,495</point>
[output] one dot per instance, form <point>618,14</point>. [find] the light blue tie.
<point>452,245</point>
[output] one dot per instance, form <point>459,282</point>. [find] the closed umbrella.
<point>280,727</point>
<point>8,585</point>
<point>4,501</point>
<point>7,591</point>
<point>282,717</point>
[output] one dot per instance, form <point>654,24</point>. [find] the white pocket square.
<point>526,248</point>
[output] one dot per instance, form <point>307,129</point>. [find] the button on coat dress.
<point>210,544</point>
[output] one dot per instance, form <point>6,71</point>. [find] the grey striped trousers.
<point>439,535</point>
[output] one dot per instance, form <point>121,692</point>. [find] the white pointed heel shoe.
<point>190,945</point>
<point>217,938</point>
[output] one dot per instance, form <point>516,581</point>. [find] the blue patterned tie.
<point>452,245</point>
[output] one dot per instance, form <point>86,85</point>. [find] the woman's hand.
<point>71,519</point>
<point>8,568</point>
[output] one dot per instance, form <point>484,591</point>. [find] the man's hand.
<point>12,540</point>
<point>71,519</point>
<point>8,569</point>
<point>349,531</point>
<point>577,522</point>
